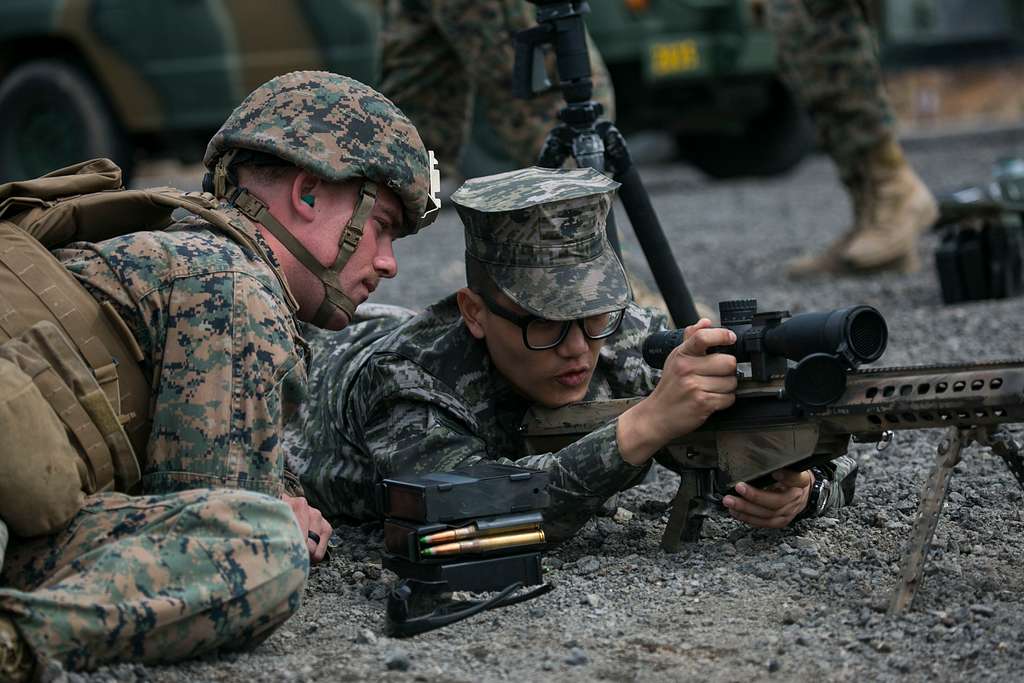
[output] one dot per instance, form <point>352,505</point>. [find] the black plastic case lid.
<point>481,490</point>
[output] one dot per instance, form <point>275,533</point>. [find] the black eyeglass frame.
<point>523,320</point>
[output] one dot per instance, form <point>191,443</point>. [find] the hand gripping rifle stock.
<point>766,430</point>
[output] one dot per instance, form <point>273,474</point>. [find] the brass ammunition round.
<point>486,543</point>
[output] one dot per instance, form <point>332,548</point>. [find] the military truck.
<point>85,78</point>
<point>123,78</point>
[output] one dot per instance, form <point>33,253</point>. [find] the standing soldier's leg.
<point>421,73</point>
<point>154,579</point>
<point>828,55</point>
<point>482,32</point>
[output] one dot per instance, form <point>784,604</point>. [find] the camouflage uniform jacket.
<point>220,348</point>
<point>425,397</point>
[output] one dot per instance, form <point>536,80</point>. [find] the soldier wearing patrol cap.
<point>319,174</point>
<point>546,319</point>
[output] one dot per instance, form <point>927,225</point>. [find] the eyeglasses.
<point>540,334</point>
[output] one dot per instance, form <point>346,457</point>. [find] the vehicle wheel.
<point>773,142</point>
<point>51,116</point>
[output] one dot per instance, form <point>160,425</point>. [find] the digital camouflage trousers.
<point>828,56</point>
<point>156,578</point>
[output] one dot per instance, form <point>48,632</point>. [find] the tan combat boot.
<point>830,261</point>
<point>15,659</point>
<point>898,208</point>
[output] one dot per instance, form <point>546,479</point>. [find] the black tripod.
<point>593,142</point>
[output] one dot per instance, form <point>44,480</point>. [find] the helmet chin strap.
<point>251,206</point>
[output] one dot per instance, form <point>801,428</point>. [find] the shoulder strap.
<point>241,231</point>
<point>57,220</point>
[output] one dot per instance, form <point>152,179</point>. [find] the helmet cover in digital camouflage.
<point>540,235</point>
<point>337,129</point>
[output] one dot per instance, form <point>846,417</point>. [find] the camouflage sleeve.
<point>843,480</point>
<point>621,362</point>
<point>415,436</point>
<point>228,362</point>
<point>223,363</point>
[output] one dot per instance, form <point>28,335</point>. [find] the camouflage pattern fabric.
<point>437,54</point>
<point>828,56</point>
<point>219,342</point>
<point>157,579</point>
<point>537,231</point>
<point>334,127</point>
<point>172,575</point>
<point>426,397</point>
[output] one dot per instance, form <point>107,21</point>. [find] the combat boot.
<point>898,207</point>
<point>830,261</point>
<point>15,658</point>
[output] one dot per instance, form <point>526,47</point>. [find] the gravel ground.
<point>800,604</point>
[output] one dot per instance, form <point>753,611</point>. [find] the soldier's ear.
<point>471,306</point>
<point>303,194</point>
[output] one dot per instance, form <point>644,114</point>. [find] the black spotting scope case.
<point>482,490</point>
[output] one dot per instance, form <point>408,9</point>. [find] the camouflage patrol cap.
<point>540,235</point>
<point>337,129</point>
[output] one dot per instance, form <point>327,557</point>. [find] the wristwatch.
<point>818,498</point>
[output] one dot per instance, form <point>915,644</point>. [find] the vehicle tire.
<point>51,116</point>
<point>773,142</point>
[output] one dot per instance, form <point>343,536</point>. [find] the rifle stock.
<point>764,430</point>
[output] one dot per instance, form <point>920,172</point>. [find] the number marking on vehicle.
<point>673,58</point>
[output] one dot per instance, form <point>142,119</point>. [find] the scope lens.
<point>867,334</point>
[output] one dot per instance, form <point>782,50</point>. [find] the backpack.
<point>75,404</point>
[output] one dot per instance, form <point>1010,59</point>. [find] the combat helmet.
<point>337,129</point>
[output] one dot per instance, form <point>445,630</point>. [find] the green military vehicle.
<point>85,78</point>
<point>131,78</point>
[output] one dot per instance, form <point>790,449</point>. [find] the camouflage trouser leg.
<point>828,55</point>
<point>156,578</point>
<point>437,55</point>
<point>422,74</point>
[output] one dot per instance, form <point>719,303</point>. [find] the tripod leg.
<point>933,496</point>
<point>656,248</point>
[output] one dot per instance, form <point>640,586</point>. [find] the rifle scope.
<point>823,344</point>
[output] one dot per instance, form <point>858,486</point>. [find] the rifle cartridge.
<point>486,527</point>
<point>486,544</point>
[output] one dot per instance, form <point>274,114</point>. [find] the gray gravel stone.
<point>397,660</point>
<point>622,515</point>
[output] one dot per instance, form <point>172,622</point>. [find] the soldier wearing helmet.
<point>546,319</point>
<point>349,150</point>
<point>319,173</point>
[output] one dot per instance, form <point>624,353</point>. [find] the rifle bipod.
<point>689,509</point>
<point>933,497</point>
